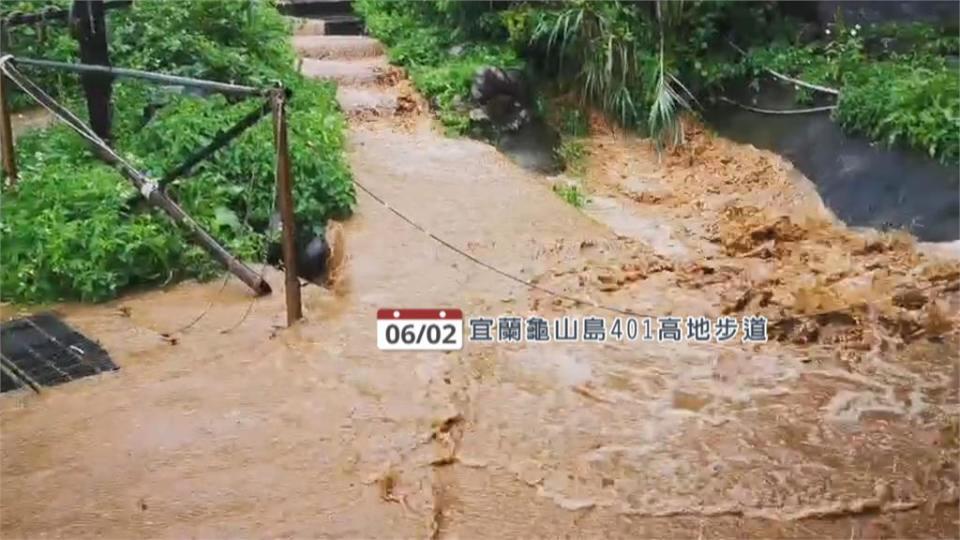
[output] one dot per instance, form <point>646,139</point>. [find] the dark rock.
<point>505,96</point>
<point>313,252</point>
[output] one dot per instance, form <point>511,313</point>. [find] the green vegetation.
<point>909,93</point>
<point>66,230</point>
<point>642,63</point>
<point>573,154</point>
<point>571,193</point>
<point>51,41</point>
<point>571,122</point>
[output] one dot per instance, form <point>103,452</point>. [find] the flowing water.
<point>863,183</point>
<point>236,427</point>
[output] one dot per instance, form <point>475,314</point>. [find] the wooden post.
<point>285,201</point>
<point>88,22</point>
<point>6,130</point>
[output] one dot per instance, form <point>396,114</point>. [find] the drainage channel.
<point>42,350</point>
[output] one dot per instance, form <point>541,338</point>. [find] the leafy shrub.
<point>67,231</point>
<point>892,102</point>
<point>240,40</point>
<point>911,97</point>
<point>642,62</point>
<point>574,155</point>
<point>572,193</point>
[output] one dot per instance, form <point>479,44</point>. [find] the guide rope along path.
<point>577,301</point>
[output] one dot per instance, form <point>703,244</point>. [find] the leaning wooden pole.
<point>158,198</point>
<point>6,130</point>
<point>285,201</point>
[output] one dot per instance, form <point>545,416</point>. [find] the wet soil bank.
<point>863,183</point>
<point>842,427</point>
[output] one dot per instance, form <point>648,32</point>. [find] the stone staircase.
<point>329,50</point>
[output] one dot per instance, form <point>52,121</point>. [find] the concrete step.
<point>346,72</point>
<point>314,8</point>
<point>333,25</point>
<point>374,101</point>
<point>337,47</point>
<point>306,27</point>
<point>342,25</point>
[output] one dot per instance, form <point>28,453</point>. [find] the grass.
<point>572,193</point>
<point>573,153</point>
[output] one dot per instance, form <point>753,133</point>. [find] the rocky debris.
<point>367,100</point>
<point>504,96</point>
<point>748,230</point>
<point>644,191</point>
<point>910,299</point>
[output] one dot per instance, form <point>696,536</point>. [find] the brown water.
<point>312,432</point>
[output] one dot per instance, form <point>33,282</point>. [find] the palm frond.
<point>668,105</point>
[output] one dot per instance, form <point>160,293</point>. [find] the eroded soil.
<point>843,426</point>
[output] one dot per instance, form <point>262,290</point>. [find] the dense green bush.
<point>610,53</point>
<point>894,102</point>
<point>67,231</point>
<point>908,94</point>
<point>643,62</point>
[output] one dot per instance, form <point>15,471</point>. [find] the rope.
<point>203,313</point>
<point>775,111</point>
<point>226,278</point>
<point>577,301</point>
<point>278,122</point>
<point>490,267</point>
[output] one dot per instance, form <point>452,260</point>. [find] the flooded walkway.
<point>237,428</point>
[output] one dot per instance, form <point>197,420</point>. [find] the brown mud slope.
<point>842,427</point>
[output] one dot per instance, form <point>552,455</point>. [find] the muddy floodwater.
<point>864,183</point>
<point>842,426</point>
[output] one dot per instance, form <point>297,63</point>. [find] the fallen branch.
<point>798,82</point>
<point>774,111</point>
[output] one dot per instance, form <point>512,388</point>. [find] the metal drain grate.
<point>43,351</point>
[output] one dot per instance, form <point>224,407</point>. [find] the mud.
<point>864,183</point>
<point>236,427</point>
